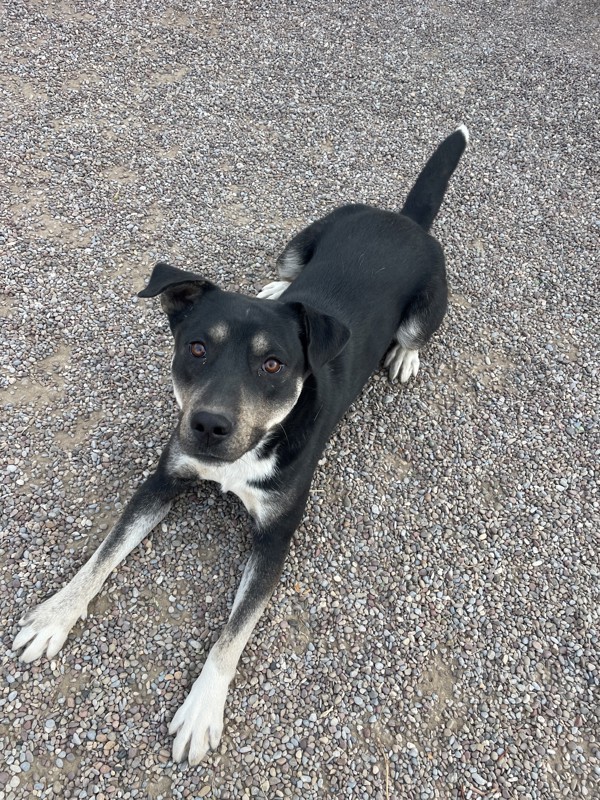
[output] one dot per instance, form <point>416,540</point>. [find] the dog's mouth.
<point>211,458</point>
<point>218,453</point>
<point>213,455</point>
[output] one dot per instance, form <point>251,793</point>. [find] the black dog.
<point>261,385</point>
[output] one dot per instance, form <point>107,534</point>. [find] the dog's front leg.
<point>199,721</point>
<point>45,628</point>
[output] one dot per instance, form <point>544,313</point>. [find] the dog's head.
<point>240,362</point>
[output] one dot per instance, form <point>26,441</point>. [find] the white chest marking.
<point>236,478</point>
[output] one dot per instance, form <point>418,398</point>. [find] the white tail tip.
<point>465,132</point>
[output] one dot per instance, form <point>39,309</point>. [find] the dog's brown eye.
<point>272,366</point>
<point>198,350</point>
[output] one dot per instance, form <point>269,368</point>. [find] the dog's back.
<point>377,270</point>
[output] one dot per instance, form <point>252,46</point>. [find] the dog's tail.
<point>425,198</point>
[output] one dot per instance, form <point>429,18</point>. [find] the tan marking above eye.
<point>259,343</point>
<point>219,332</point>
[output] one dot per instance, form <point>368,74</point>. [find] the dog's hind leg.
<point>403,357</point>
<point>46,627</point>
<point>419,323</point>
<point>300,250</point>
<point>295,256</point>
<point>274,290</point>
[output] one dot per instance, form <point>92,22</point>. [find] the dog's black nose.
<point>211,429</point>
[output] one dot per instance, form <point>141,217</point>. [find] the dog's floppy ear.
<point>325,336</point>
<point>178,288</point>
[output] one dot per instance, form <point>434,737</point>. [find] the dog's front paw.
<point>402,361</point>
<point>46,627</point>
<point>274,290</point>
<point>199,722</point>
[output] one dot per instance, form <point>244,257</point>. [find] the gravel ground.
<point>435,631</point>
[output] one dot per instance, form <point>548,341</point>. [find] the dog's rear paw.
<point>199,722</point>
<point>45,628</point>
<point>402,361</point>
<point>274,290</point>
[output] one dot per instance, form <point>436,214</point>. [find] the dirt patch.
<point>469,372</point>
<point>159,788</point>
<point>49,227</point>
<point>81,81</point>
<point>64,11</point>
<point>397,465</point>
<point>166,78</point>
<point>437,682</point>
<point>460,300</point>
<point>297,630</point>
<point>175,19</point>
<point>120,175</point>
<point>45,384</point>
<point>79,432</point>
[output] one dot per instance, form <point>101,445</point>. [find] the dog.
<point>261,382</point>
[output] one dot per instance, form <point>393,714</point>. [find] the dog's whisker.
<point>284,432</point>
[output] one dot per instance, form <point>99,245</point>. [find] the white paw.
<point>199,721</point>
<point>45,628</point>
<point>403,361</point>
<point>274,290</point>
